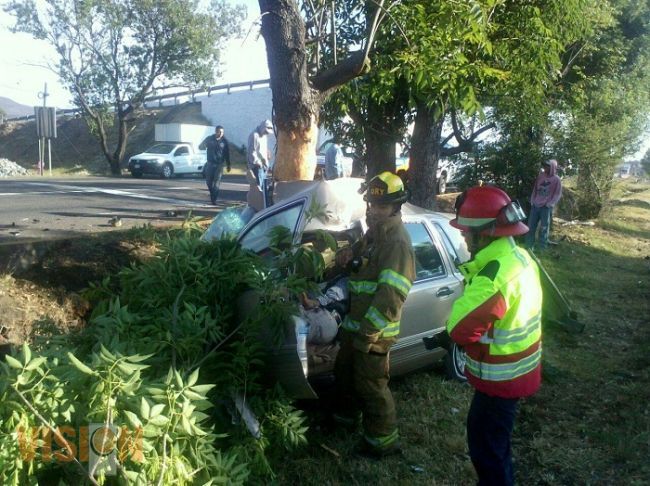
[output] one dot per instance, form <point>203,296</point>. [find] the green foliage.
<point>164,351</point>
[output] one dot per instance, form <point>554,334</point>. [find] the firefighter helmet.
<point>386,188</point>
<point>487,210</point>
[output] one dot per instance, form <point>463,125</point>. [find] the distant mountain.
<point>13,109</point>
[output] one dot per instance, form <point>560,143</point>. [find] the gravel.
<point>11,169</point>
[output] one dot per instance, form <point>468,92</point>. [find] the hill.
<point>76,150</point>
<point>11,108</point>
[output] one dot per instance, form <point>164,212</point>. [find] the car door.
<point>181,159</point>
<point>283,364</point>
<point>437,285</point>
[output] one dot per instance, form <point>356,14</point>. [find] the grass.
<point>589,424</point>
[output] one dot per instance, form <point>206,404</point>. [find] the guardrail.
<point>189,93</point>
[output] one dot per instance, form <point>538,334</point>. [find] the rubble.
<point>11,169</point>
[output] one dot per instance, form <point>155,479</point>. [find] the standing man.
<point>333,162</point>
<point>257,153</point>
<point>218,153</point>
<point>546,193</point>
<point>498,322</point>
<point>382,274</point>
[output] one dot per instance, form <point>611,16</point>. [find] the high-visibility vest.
<point>506,360</point>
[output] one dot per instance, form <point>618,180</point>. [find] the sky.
<point>22,76</point>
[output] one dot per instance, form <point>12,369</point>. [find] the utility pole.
<point>41,152</point>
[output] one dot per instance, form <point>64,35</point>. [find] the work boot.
<point>365,449</point>
<point>348,421</point>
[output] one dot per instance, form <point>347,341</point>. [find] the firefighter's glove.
<point>440,340</point>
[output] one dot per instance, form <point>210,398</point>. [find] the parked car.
<point>445,173</point>
<point>438,249</point>
<point>348,158</point>
<point>168,159</point>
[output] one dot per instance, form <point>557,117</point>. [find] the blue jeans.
<point>489,428</point>
<point>213,173</point>
<point>541,216</point>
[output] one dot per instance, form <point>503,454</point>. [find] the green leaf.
<point>145,409</point>
<point>193,377</point>
<point>79,365</point>
<point>13,362</point>
<point>159,420</point>
<point>133,418</point>
<point>36,362</point>
<point>187,427</point>
<point>27,353</point>
<point>156,410</point>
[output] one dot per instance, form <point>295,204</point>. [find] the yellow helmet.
<point>386,188</point>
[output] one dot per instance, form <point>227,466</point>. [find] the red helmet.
<point>488,210</point>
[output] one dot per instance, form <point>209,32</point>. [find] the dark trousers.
<point>213,173</point>
<point>489,428</point>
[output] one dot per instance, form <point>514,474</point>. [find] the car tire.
<point>442,183</point>
<point>455,363</point>
<point>136,173</point>
<point>167,170</point>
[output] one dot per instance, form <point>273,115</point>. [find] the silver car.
<point>438,249</point>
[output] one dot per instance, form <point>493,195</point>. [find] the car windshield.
<point>160,148</point>
<point>454,242</point>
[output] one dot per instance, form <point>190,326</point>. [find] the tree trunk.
<point>295,103</point>
<point>424,156</point>
<point>120,148</point>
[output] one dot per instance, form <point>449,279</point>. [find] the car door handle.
<point>444,291</point>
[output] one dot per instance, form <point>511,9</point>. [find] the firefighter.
<point>498,322</point>
<point>383,269</point>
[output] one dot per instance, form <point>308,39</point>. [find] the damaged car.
<point>307,358</point>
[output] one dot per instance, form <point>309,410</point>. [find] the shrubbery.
<point>161,359</point>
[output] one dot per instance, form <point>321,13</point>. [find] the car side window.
<point>258,237</point>
<point>182,151</point>
<point>428,262</point>
<point>454,243</point>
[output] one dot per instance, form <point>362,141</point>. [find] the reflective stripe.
<point>503,371</point>
<point>377,318</point>
<point>382,441</point>
<point>521,257</point>
<point>474,221</point>
<point>350,324</point>
<point>362,286</point>
<point>387,328</point>
<point>506,336</point>
<point>395,280</point>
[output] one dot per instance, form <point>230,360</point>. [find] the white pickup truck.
<point>168,159</point>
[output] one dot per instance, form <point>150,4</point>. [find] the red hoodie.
<point>548,187</point>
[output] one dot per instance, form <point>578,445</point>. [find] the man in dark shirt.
<point>217,154</point>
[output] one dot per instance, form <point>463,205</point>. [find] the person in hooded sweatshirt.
<point>546,193</point>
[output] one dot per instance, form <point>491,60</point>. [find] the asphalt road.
<point>42,207</point>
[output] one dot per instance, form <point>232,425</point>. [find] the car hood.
<point>148,156</point>
<point>336,204</point>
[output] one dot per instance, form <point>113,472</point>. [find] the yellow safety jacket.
<point>379,288</point>
<point>498,320</point>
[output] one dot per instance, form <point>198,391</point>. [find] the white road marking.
<point>117,192</point>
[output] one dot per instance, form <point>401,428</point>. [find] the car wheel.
<point>136,173</point>
<point>442,184</point>
<point>455,363</point>
<point>167,170</point>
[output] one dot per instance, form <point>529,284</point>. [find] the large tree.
<point>302,78</point>
<point>113,53</point>
<point>443,61</point>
